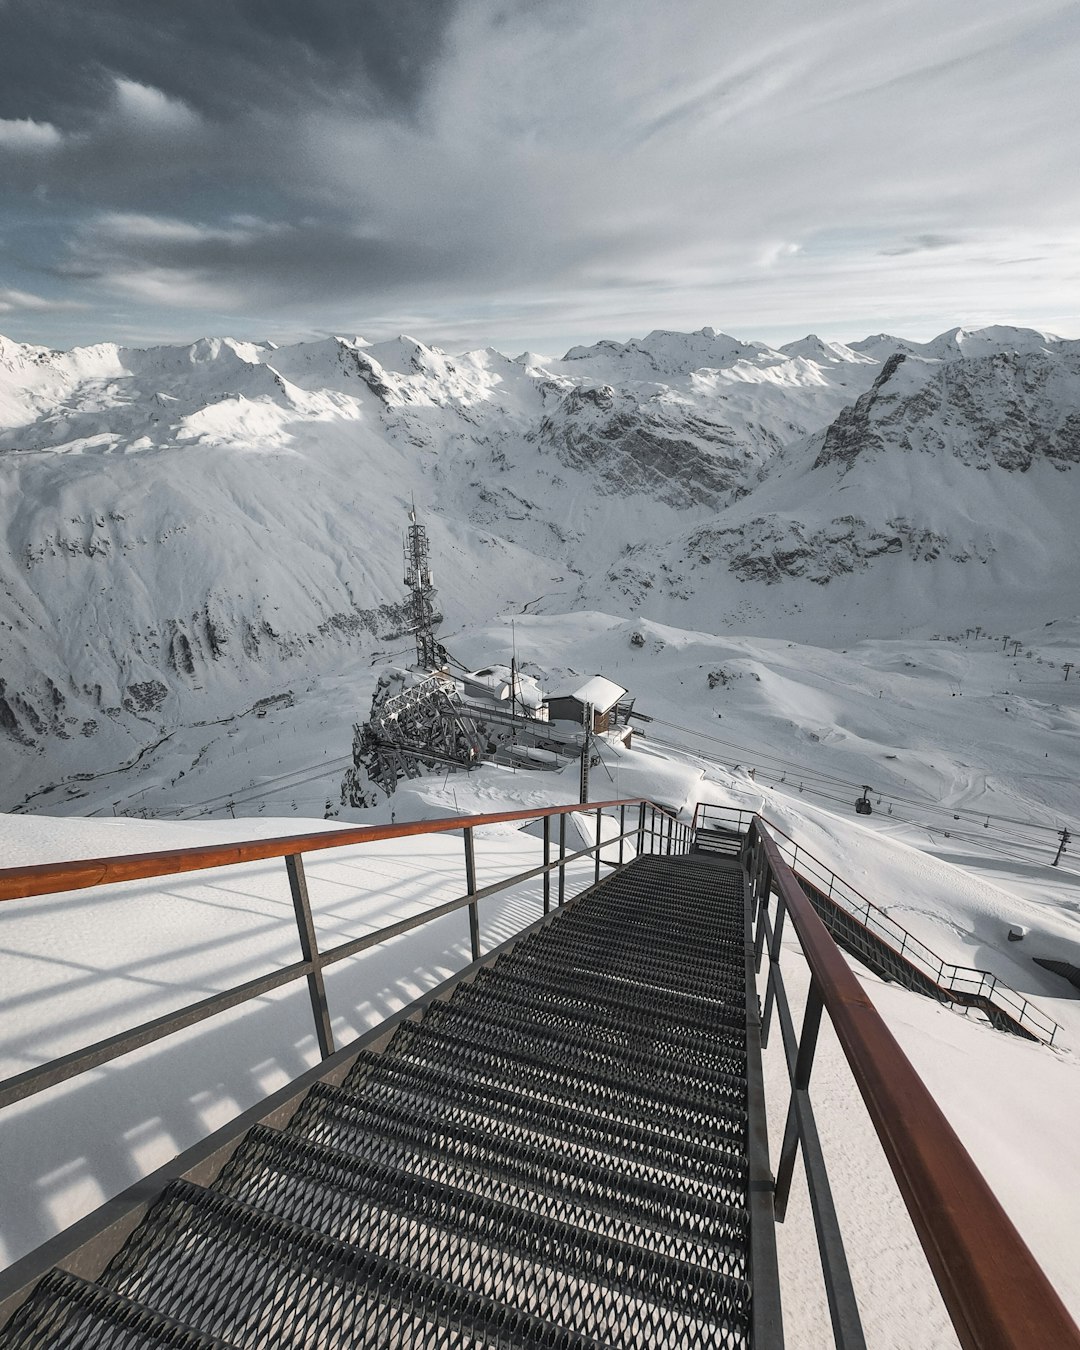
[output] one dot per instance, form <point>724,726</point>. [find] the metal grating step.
<point>578,1038</point>
<point>660,1188</point>
<point>555,1156</point>
<point>571,972</point>
<point>626,1092</point>
<point>359,1202</point>
<point>67,1311</point>
<point>655,1027</point>
<point>642,1212</point>
<point>261,1279</point>
<point>691,1159</point>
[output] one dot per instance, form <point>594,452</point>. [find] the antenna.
<point>419,580</point>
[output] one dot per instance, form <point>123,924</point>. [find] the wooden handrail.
<point>17,883</point>
<point>997,1294</point>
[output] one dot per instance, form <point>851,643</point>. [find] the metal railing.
<point>994,1290</point>
<point>961,984</point>
<point>655,830</point>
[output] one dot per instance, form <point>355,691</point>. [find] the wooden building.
<point>603,694</point>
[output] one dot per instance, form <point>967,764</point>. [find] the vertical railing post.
<point>547,862</point>
<point>470,888</point>
<point>562,857</point>
<point>774,960</point>
<point>596,878</point>
<point>641,830</point>
<point>622,831</point>
<point>670,822</point>
<point>294,866</point>
<point>804,1062</point>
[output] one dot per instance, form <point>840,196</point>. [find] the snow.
<point>200,593</point>
<point>601,693</point>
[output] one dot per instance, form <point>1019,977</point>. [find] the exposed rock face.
<point>675,455</point>
<point>182,523</point>
<point>1009,409</point>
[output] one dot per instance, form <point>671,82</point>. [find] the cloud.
<point>13,302</point>
<point>145,108</point>
<point>22,134</point>
<point>494,158</point>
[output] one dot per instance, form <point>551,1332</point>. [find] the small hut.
<point>603,694</point>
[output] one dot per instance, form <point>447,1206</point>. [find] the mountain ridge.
<point>190,526</point>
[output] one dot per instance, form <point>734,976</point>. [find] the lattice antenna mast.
<point>418,578</point>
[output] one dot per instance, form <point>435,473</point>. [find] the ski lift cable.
<point>805,772</point>
<point>277,783</point>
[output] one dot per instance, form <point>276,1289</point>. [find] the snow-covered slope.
<point>189,529</point>
<point>946,493</point>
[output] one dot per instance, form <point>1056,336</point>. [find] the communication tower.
<point>418,578</point>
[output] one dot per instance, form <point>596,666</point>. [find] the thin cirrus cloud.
<point>556,173</point>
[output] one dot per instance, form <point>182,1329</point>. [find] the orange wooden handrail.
<point>997,1294</point>
<point>18,883</point>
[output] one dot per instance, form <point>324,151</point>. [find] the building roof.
<point>603,694</point>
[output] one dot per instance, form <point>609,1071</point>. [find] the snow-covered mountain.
<point>189,528</point>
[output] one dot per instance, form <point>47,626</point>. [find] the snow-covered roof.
<point>601,693</point>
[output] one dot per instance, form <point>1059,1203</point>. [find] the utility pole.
<point>1004,641</point>
<point>1068,667</point>
<point>1016,647</point>
<point>978,630</point>
<point>586,751</point>
<point>1063,838</point>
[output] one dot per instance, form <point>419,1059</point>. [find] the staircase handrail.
<point>969,982</point>
<point>662,834</point>
<point>18,883</point>
<point>995,1291</point>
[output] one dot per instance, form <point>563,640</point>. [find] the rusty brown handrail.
<point>52,878</point>
<point>995,1291</point>
<point>17,883</point>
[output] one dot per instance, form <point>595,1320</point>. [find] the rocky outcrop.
<point>1008,409</point>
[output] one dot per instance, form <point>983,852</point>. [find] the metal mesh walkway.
<point>556,1156</point>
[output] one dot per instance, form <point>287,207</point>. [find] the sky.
<point>531,176</point>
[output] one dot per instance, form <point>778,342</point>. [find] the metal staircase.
<point>556,1155</point>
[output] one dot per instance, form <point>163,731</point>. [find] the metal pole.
<point>547,860</point>
<point>294,866</point>
<point>470,888</point>
<point>562,856</point>
<point>641,830</point>
<point>596,879</point>
<point>774,958</point>
<point>622,831</point>
<point>800,1083</point>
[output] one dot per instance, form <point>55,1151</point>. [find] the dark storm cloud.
<point>278,264</point>
<point>218,56</point>
<point>240,159</point>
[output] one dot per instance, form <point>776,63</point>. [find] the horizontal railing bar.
<point>965,981</point>
<point>49,878</point>
<point>41,1077</point>
<point>35,1080</point>
<point>995,1291</point>
<point>947,975</point>
<point>355,945</point>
